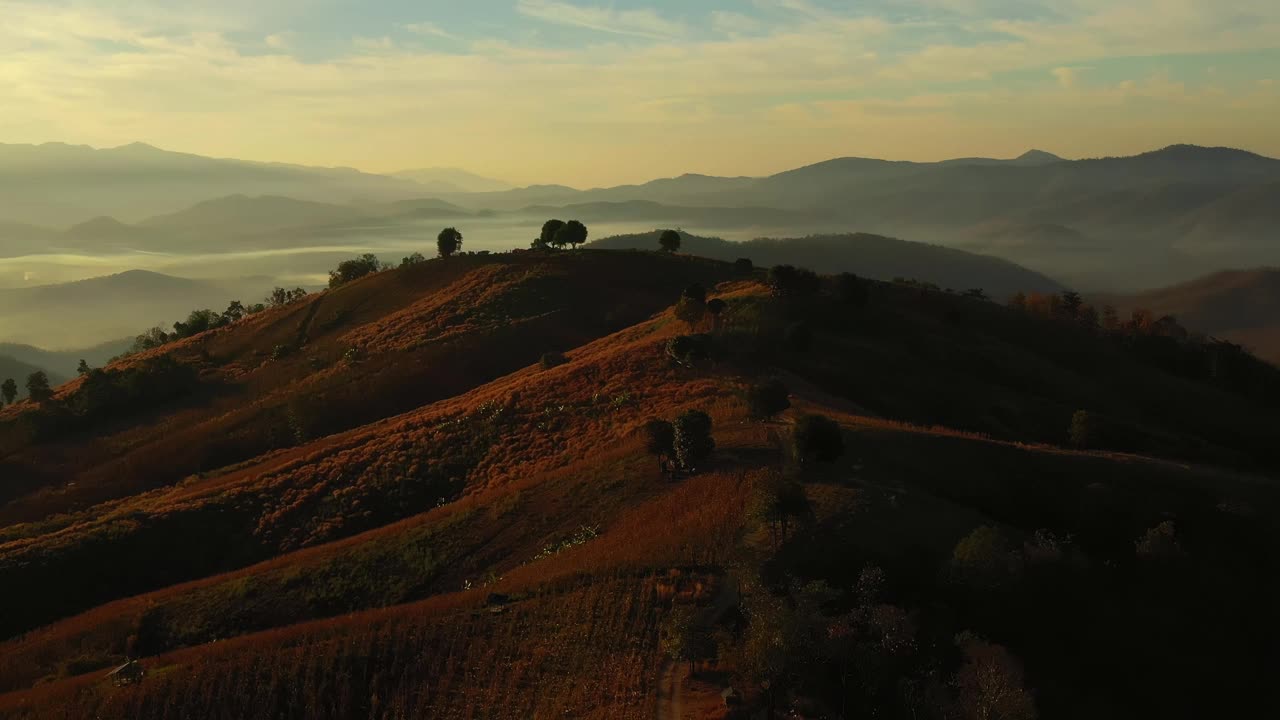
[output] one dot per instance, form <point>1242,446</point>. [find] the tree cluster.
<point>556,234</point>
<point>354,269</point>
<point>682,444</point>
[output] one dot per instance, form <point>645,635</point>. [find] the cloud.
<point>794,89</point>
<point>636,23</point>
<point>1067,76</point>
<point>733,23</point>
<point>279,41</point>
<point>429,29</point>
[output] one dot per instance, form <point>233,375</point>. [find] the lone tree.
<point>818,437</point>
<point>83,368</point>
<point>767,398</point>
<point>693,441</point>
<point>548,236</point>
<point>779,501</point>
<point>744,266</point>
<point>9,391</point>
<point>659,441</point>
<point>573,233</point>
<point>716,308</point>
<point>448,242</point>
<point>669,241</point>
<point>38,387</point>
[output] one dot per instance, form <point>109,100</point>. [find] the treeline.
<point>1162,342</point>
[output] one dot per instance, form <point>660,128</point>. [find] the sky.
<point>599,92</point>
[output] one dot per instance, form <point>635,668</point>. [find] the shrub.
<point>552,359</point>
<point>690,311</point>
<point>767,398</point>
<point>688,349</point>
<point>981,558</point>
<point>818,437</point>
<point>413,259</point>
<point>788,281</point>
<point>744,266</point>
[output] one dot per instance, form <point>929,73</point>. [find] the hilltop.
<point>429,491</point>
<point>873,256</point>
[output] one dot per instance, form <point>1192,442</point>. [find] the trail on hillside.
<point>674,675</point>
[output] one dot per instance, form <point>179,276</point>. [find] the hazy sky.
<point>591,92</point>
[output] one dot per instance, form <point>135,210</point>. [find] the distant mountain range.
<point>452,180</point>
<point>104,309</point>
<point>1108,223</point>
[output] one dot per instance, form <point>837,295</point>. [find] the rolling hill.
<point>872,256</point>
<point>58,185</point>
<point>429,493</point>
<point>1242,306</point>
<point>103,309</point>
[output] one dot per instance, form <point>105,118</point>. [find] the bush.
<point>981,558</point>
<point>744,266</point>
<point>688,349</point>
<point>354,269</point>
<point>818,437</point>
<point>788,281</point>
<point>552,359</point>
<point>767,398</point>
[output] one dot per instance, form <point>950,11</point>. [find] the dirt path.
<point>671,682</point>
<point>674,675</point>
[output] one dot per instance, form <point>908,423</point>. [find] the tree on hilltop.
<point>669,241</point>
<point>349,270</point>
<point>448,242</point>
<point>38,388</point>
<point>547,238</point>
<point>9,391</point>
<point>573,233</point>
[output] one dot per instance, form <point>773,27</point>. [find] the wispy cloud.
<point>429,29</point>
<point>637,23</point>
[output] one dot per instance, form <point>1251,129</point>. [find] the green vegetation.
<point>448,242</point>
<point>669,241</point>
<point>354,269</point>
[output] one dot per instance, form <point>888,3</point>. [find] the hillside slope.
<point>444,527</point>
<point>871,256</point>
<point>1242,306</point>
